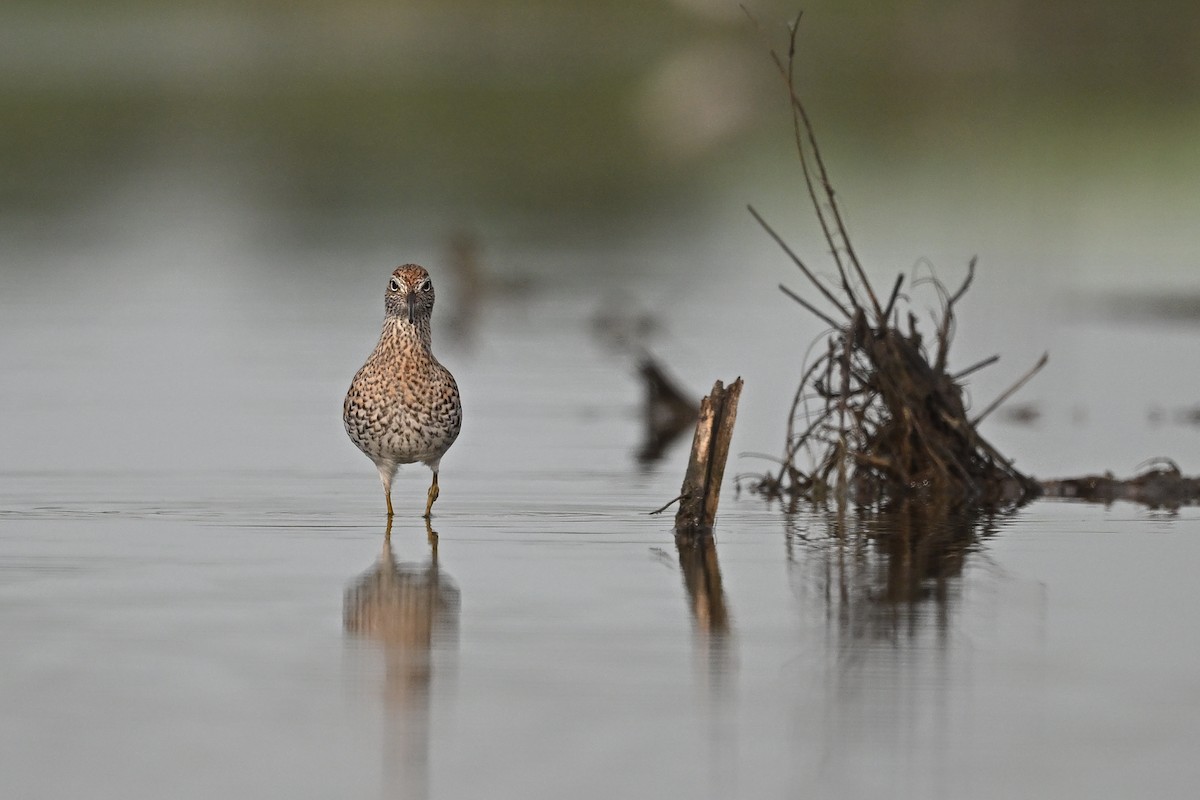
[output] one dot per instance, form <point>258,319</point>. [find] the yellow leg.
<point>433,495</point>
<point>386,473</point>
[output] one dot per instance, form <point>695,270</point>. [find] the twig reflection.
<point>714,651</point>
<point>702,579</point>
<point>706,600</point>
<point>884,575</point>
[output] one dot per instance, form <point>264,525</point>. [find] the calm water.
<point>200,209</point>
<point>186,534</point>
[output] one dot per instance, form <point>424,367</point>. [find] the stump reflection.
<point>705,594</point>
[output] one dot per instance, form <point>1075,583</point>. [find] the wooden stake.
<point>706,467</point>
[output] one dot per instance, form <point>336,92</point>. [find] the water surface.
<point>196,600</point>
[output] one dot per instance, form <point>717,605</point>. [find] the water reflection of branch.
<point>706,599</point>
<point>411,610</point>
<point>702,579</point>
<point>713,647</point>
<point>885,575</point>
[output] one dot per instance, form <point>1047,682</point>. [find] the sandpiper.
<point>403,406</point>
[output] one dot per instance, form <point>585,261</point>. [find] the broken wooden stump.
<point>706,466</point>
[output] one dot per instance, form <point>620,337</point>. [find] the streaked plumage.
<point>403,405</point>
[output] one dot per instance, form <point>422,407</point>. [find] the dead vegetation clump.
<point>1161,485</point>
<point>879,416</point>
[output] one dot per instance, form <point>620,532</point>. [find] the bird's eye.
<point>394,285</point>
<point>425,286</point>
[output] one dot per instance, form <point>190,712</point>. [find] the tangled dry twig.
<point>881,419</point>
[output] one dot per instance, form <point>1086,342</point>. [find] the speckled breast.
<point>403,416</point>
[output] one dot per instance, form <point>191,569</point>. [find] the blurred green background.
<point>351,120</point>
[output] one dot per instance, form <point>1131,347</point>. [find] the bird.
<point>403,406</point>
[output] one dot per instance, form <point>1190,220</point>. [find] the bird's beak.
<point>412,308</point>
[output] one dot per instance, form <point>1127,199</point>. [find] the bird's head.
<point>409,294</point>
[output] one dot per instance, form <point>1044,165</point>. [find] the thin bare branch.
<point>1012,390</point>
<point>796,260</point>
<point>891,303</point>
<point>966,284</point>
<point>800,117</point>
<point>665,507</point>
<point>786,72</point>
<point>811,308</point>
<point>987,362</point>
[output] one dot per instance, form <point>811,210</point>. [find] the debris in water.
<point>667,412</point>
<point>879,416</point>
<point>1022,414</point>
<point>1162,485</point>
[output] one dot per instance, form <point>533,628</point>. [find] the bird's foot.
<point>433,495</point>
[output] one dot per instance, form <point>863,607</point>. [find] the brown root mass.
<point>879,415</point>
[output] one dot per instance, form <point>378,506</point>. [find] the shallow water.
<point>200,209</point>
<point>185,535</point>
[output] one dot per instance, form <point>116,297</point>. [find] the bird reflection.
<point>411,610</point>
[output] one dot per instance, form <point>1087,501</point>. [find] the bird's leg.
<point>433,495</point>
<point>385,477</point>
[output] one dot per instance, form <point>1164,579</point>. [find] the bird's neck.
<point>409,336</point>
